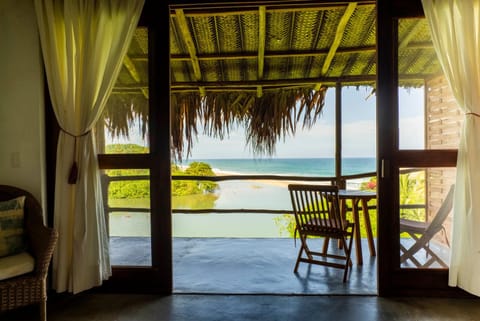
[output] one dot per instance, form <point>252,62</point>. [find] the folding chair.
<point>317,214</point>
<point>423,232</point>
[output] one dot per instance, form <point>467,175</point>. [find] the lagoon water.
<point>251,194</point>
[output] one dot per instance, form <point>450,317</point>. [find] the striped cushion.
<point>12,240</point>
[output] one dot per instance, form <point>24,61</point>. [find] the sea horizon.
<point>312,166</point>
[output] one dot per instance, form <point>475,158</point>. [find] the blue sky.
<point>359,133</point>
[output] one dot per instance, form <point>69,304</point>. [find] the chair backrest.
<point>33,215</point>
<point>316,207</point>
<point>446,207</point>
<point>32,208</point>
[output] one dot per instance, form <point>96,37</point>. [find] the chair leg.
<point>326,242</point>
<point>43,310</point>
<point>347,260</point>
<point>348,252</point>
<point>298,258</point>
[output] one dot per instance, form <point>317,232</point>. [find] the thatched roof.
<point>267,65</point>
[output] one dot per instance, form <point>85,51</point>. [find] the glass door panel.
<point>429,121</point>
<point>425,216</point>
<point>127,208</point>
<point>429,117</point>
<point>123,147</point>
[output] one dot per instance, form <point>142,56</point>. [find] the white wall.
<point>22,141</point>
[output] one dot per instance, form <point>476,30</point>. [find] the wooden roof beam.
<point>262,30</point>
<point>268,54</point>
<point>410,35</point>
<point>283,54</point>
<point>239,8</point>
<point>185,31</point>
<point>221,85</point>
<point>132,70</point>
<point>342,24</point>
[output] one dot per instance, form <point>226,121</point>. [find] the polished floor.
<point>187,307</point>
<point>248,279</point>
<point>249,266</point>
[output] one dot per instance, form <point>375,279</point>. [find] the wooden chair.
<point>29,288</point>
<point>317,214</point>
<point>423,232</point>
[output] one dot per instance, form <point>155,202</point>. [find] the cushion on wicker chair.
<point>15,265</point>
<point>12,238</point>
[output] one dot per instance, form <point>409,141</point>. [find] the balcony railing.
<point>341,181</point>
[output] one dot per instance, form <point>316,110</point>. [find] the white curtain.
<point>83,44</point>
<point>455,28</point>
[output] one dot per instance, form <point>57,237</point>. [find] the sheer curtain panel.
<point>83,44</point>
<point>455,28</point>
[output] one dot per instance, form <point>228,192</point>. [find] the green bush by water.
<point>140,189</point>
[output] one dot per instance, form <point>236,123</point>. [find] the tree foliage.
<point>134,189</point>
<point>189,187</point>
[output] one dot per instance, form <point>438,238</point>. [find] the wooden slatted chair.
<point>423,233</point>
<point>317,214</point>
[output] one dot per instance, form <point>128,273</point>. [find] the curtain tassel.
<point>73,176</point>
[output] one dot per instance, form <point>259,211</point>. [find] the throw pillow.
<point>12,240</point>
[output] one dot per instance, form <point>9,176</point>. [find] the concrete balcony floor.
<point>248,266</point>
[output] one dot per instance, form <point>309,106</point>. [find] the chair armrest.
<point>412,226</point>
<point>41,244</point>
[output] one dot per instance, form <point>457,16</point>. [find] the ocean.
<point>323,167</point>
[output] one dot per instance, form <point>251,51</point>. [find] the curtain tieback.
<point>473,114</point>
<point>73,174</point>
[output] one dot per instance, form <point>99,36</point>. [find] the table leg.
<point>343,211</point>
<point>368,227</point>
<point>357,236</point>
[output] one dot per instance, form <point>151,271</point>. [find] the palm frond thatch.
<point>254,65</point>
<point>267,119</point>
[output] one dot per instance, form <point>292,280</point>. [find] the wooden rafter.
<point>132,70</point>
<point>279,83</point>
<point>269,54</point>
<point>282,54</point>
<point>184,29</point>
<point>342,24</point>
<point>410,35</point>
<point>208,10</point>
<point>262,29</point>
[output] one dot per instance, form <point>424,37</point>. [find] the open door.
<point>418,135</point>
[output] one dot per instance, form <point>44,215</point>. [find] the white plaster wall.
<point>22,139</point>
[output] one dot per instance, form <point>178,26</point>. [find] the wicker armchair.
<point>29,288</point>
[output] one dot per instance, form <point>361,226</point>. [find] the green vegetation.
<point>125,149</point>
<point>140,189</point>
<point>134,189</point>
<point>412,192</point>
<point>182,188</point>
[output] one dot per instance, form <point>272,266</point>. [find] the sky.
<point>358,130</point>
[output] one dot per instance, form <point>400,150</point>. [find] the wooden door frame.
<point>392,280</point>
<point>159,277</point>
